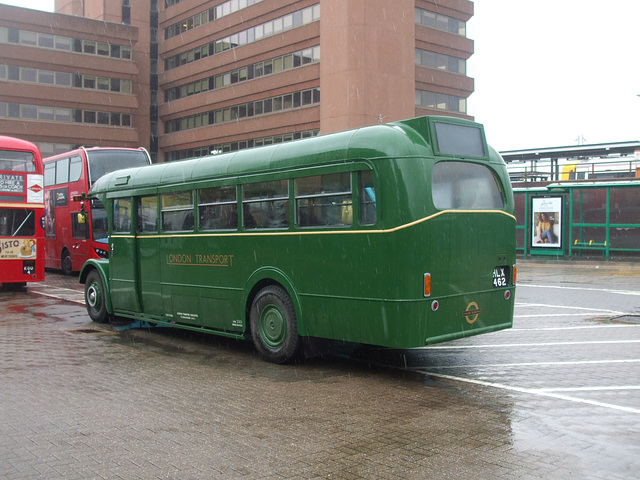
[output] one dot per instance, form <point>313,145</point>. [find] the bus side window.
<point>147,218</point>
<point>62,171</point>
<point>218,208</point>
<point>177,211</point>
<point>324,200</point>
<point>266,205</point>
<point>75,168</point>
<point>367,198</point>
<point>50,174</point>
<point>122,215</point>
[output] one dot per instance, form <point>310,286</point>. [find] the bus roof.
<point>89,150</point>
<point>12,143</point>
<point>397,139</point>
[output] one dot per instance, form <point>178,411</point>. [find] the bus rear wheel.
<point>94,298</point>
<point>65,263</point>
<point>274,326</point>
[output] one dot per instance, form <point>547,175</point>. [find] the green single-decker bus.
<point>397,235</point>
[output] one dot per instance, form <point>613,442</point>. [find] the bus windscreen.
<point>107,161</point>
<point>459,140</point>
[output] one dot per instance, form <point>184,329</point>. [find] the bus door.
<point>123,270</point>
<point>81,243</point>
<point>149,275</point>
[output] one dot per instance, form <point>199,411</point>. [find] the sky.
<point>550,72</point>
<point>547,73</point>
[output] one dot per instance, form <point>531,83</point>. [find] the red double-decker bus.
<point>77,230</point>
<point>21,212</point>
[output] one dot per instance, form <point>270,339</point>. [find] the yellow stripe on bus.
<point>314,232</point>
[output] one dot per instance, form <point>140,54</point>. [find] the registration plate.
<point>28,267</point>
<point>501,276</point>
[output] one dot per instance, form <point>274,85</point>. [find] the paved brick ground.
<point>80,401</point>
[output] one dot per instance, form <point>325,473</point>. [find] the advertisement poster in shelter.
<point>547,222</point>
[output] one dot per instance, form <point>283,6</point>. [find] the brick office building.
<point>223,75</point>
<point>68,81</point>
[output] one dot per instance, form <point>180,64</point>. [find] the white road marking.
<point>605,290</point>
<point>520,345</point>
<point>578,327</point>
<point>584,311</point>
<point>536,364</point>
<point>568,307</point>
<point>590,389</point>
<point>531,391</point>
<point>60,293</point>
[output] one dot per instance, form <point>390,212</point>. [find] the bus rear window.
<point>465,186</point>
<point>459,140</point>
<point>14,161</point>
<point>17,222</point>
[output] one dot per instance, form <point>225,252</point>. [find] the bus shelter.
<point>579,219</point>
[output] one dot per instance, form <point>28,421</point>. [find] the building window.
<point>299,18</point>
<point>440,101</point>
<point>63,115</point>
<point>47,77</point>
<point>440,22</point>
<point>56,42</point>
<point>126,12</point>
<point>439,61</point>
<point>240,145</point>
<point>251,109</point>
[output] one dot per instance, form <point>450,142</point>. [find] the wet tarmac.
<point>557,396</point>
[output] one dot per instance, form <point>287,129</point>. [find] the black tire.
<point>95,297</point>
<point>274,327</point>
<point>65,263</point>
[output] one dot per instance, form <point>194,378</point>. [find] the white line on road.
<point>548,315</point>
<point>537,364</point>
<point>602,290</point>
<point>590,389</point>
<point>520,345</point>
<point>61,293</point>
<point>529,391</point>
<point>568,307</point>
<point>579,327</point>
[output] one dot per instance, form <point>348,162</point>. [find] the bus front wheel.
<point>273,325</point>
<point>94,297</point>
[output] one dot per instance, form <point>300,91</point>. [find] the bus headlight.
<point>101,253</point>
